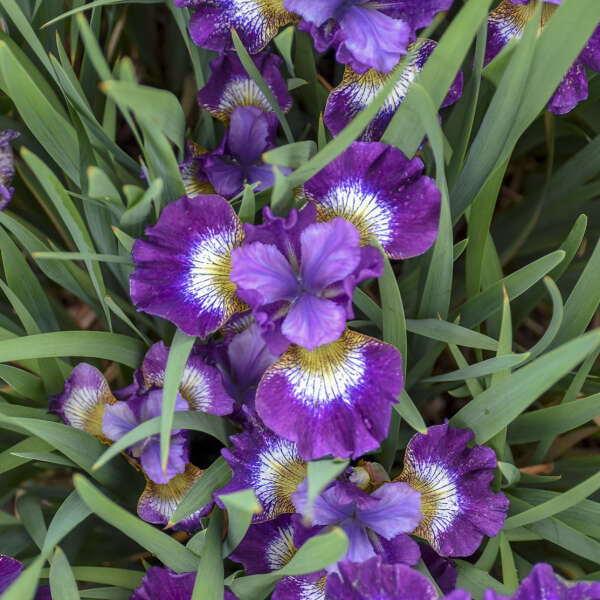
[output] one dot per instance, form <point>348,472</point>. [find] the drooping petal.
<point>572,90</point>
<point>441,568</point>
<point>7,166</point>
<point>373,580</point>
<point>256,22</point>
<point>335,399</point>
<point>262,274</point>
<point>456,501</point>
<point>383,194</point>
<point>356,91</point>
<point>314,321</point>
<point>178,458</point>
<point>159,501</point>
<point>84,399</point>
<point>268,464</point>
<point>182,270</point>
<point>201,385</point>
<point>230,86</point>
<point>10,569</point>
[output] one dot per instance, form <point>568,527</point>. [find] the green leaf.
<point>170,552</point>
<point>201,493</point>
<point>182,419</point>
<point>409,412</point>
<point>23,382</point>
<point>178,357</point>
<point>10,460</point>
<point>497,406</point>
<point>256,76</point>
<point>248,208</point>
<point>69,515</point>
<point>241,507</point>
<point>95,4</point>
<point>62,581</point>
<point>292,155</point>
<point>49,457</point>
<point>209,583</point>
<point>315,554</point>
<point>106,575</point>
<point>509,571</point>
<point>481,369</point>
<point>110,258</point>
<point>92,344</point>
<point>451,333</point>
<point>30,511</point>
<point>367,305</point>
<point>476,580</point>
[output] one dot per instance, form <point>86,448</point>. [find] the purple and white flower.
<point>509,20</point>
<point>454,481</point>
<point>356,91</point>
<point>383,194</point>
<point>298,277</point>
<point>255,21</point>
<point>182,269</point>
<point>366,34</point>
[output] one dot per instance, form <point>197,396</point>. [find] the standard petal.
<point>159,501</point>
<point>182,269</point>
<point>457,504</point>
<point>250,135</point>
<point>118,419</point>
<point>262,270</point>
<point>313,321</point>
<point>225,175</point>
<point>330,252</point>
<point>335,399</point>
<point>269,465</point>
<point>84,399</point>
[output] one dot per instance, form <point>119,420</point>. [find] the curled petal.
<point>201,385</point>
<point>159,501</point>
<point>182,270</point>
<point>84,399</point>
<point>456,501</point>
<point>335,399</point>
<point>268,464</point>
<point>383,194</point>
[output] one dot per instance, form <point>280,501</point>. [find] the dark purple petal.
<point>590,55</point>
<point>372,580</point>
<point>83,401</point>
<point>182,270</point>
<point>383,194</point>
<point>161,582</point>
<point>159,501</point>
<point>456,501</point>
<point>335,399</point>
<point>250,134</point>
<point>313,321</point>
<point>7,166</point>
<point>255,22</point>
<point>225,175</point>
<point>201,385</point>
<point>10,569</point>
<point>401,549</point>
<point>417,13</point>
<point>572,90</point>
<point>230,86</point>
<point>267,464</point>
<point>442,569</point>
<point>262,274</point>
<point>301,587</point>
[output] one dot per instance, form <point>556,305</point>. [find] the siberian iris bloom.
<point>356,91</point>
<point>383,194</point>
<point>376,524</point>
<point>255,21</point>
<point>509,20</point>
<point>366,33</point>
<point>182,269</point>
<point>238,160</point>
<point>454,481</point>
<point>298,276</point>
<point>374,580</point>
<point>7,166</point>
<point>161,582</point>
<point>229,86</point>
<point>543,583</point>
<point>269,465</point>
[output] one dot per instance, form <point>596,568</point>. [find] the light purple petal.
<point>333,400</point>
<point>314,321</point>
<point>360,547</point>
<point>267,464</point>
<point>118,420</point>
<point>383,194</point>
<point>178,459</point>
<point>84,399</point>
<point>264,272</point>
<point>457,504</point>
<point>182,269</point>
<point>315,12</point>
<point>159,501</point>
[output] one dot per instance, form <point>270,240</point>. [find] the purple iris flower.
<point>509,21</point>
<point>299,276</point>
<point>7,166</point>
<point>376,524</point>
<point>238,160</point>
<point>121,417</point>
<point>10,570</point>
<point>366,33</point>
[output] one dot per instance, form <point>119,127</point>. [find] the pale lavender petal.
<point>178,459</point>
<point>118,420</point>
